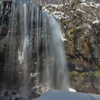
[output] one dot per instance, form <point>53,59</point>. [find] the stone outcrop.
<point>80,22</point>
<point>87,82</point>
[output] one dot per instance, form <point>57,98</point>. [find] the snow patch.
<point>63,37</point>
<point>97,5</point>
<point>72,11</point>
<point>58,17</point>
<point>71,90</point>
<point>34,75</point>
<point>96,21</point>
<point>84,4</point>
<point>89,26</point>
<point>78,27</point>
<point>55,5</point>
<point>80,10</point>
<point>55,12</point>
<point>82,0</point>
<point>46,10</point>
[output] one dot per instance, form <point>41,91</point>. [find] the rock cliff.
<point>80,22</point>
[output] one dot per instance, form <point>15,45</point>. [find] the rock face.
<point>87,82</point>
<point>80,22</point>
<point>81,26</point>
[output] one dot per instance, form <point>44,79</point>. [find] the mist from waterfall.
<point>34,34</point>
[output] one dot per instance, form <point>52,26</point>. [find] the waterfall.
<point>35,49</point>
<point>56,73</point>
<point>0,16</point>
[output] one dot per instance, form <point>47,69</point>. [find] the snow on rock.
<point>96,21</point>
<point>63,37</point>
<point>71,90</point>
<point>58,17</point>
<point>58,14</point>
<point>80,10</point>
<point>55,5</point>
<point>89,26</point>
<point>91,4</point>
<point>34,75</point>
<point>72,11</point>
<point>47,10</point>
<point>65,95</point>
<point>97,5</point>
<point>84,4</point>
<point>82,0</point>
<point>55,12</point>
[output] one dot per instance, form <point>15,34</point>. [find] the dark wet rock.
<point>13,93</point>
<point>36,94</point>
<point>32,96</point>
<point>74,67</point>
<point>35,89</point>
<point>19,98</point>
<point>5,98</point>
<point>11,98</point>
<point>4,30</point>
<point>6,94</point>
<point>87,82</point>
<point>18,90</point>
<point>43,89</point>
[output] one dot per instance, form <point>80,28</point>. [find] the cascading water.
<point>35,43</point>
<point>0,16</point>
<point>57,72</point>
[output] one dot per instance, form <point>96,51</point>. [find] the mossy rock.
<point>96,74</point>
<point>3,44</point>
<point>72,34</point>
<point>86,48</point>
<point>96,24</point>
<point>76,76</point>
<point>82,75</point>
<point>68,21</point>
<point>73,73</point>
<point>67,46</point>
<point>76,30</point>
<point>47,7</point>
